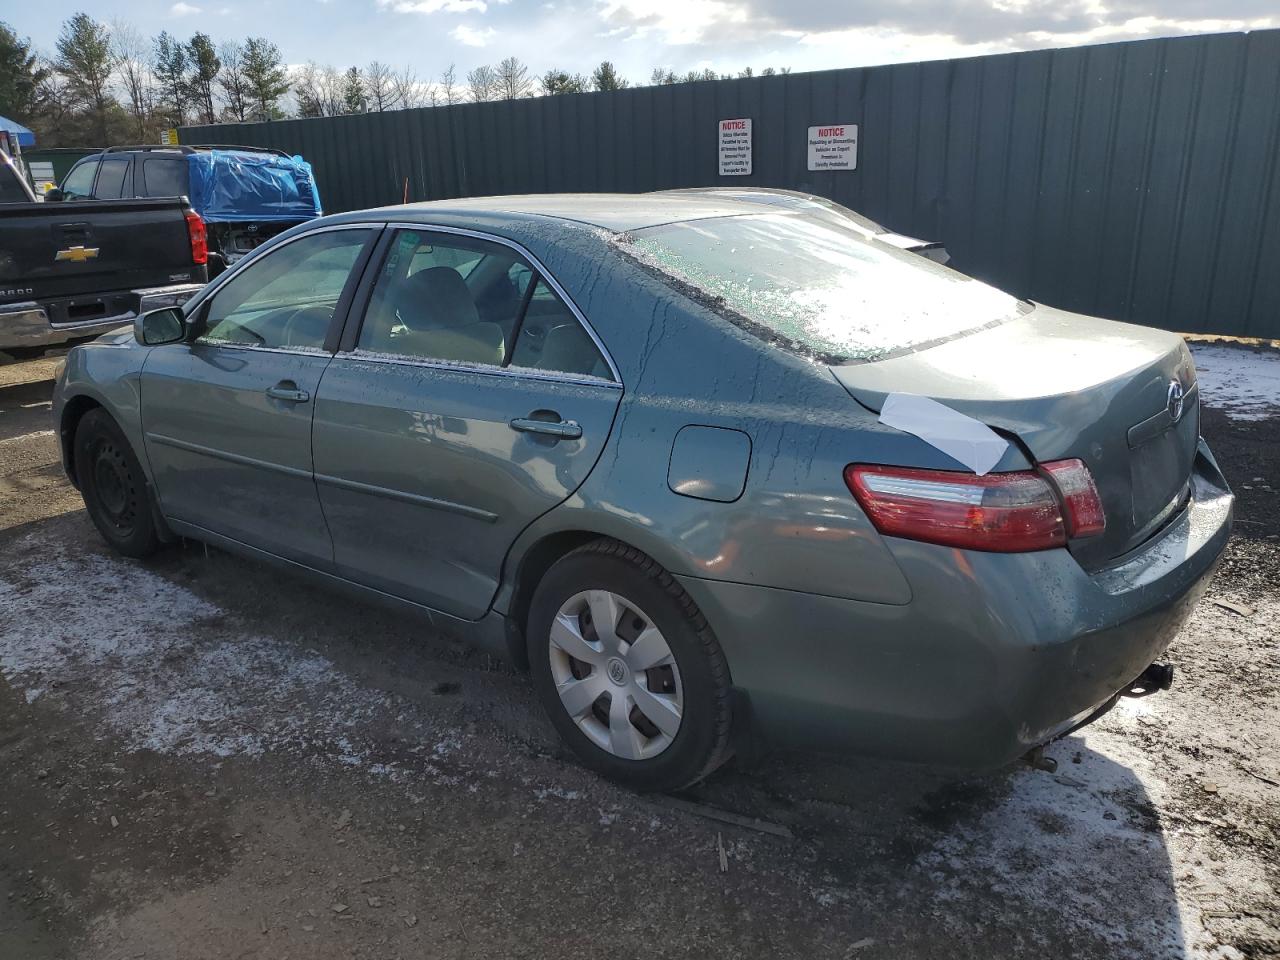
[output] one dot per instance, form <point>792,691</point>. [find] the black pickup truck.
<point>68,272</point>
<point>245,195</point>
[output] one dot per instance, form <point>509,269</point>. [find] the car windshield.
<point>823,291</point>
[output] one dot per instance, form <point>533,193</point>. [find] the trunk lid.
<point>1068,386</point>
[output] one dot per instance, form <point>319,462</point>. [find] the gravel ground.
<point>207,759</point>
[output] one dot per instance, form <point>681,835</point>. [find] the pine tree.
<point>169,64</point>
<point>20,76</point>
<point>353,100</point>
<point>266,77</point>
<point>605,77</point>
<point>84,61</point>
<point>203,64</point>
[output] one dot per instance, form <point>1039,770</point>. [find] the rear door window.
<point>445,297</point>
<point>163,177</point>
<point>111,180</point>
<point>552,339</point>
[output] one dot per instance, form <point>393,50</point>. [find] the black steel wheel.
<point>113,486</point>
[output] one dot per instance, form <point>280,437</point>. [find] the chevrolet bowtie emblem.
<point>77,254</point>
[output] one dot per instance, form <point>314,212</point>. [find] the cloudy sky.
<point>638,35</point>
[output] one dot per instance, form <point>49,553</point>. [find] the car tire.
<point>114,487</point>
<point>669,725</point>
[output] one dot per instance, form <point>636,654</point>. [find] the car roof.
<point>617,212</point>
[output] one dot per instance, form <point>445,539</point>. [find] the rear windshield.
<point>818,289</point>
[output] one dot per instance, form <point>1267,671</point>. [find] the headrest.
<point>435,299</point>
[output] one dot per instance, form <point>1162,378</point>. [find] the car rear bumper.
<point>41,324</point>
<point>995,654</point>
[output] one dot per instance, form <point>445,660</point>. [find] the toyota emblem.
<point>1176,397</point>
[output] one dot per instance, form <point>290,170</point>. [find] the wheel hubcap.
<point>616,675</point>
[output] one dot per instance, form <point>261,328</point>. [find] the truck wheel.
<point>628,669</point>
<point>113,486</point>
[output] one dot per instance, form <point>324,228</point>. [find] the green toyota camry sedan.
<point>712,467</point>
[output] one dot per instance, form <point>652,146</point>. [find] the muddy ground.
<point>203,758</point>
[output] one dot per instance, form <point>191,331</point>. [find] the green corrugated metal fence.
<point>1136,181</point>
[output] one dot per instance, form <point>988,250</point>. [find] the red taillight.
<point>199,238</point>
<point>1000,512</point>
<point>1081,505</point>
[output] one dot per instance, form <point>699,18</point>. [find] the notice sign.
<point>833,147</point>
<point>735,148</point>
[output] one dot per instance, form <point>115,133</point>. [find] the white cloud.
<point>471,37</point>
<point>435,6</point>
<point>182,9</point>
<point>879,31</point>
<point>675,22</point>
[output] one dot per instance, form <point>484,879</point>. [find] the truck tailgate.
<point>66,249</point>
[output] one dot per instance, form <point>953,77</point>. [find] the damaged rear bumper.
<point>996,653</point>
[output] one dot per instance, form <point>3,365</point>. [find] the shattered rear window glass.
<point>823,292</point>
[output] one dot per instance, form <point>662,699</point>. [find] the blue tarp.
<point>234,186</point>
<point>24,136</point>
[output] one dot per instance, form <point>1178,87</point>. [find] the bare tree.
<point>234,81</point>
<point>408,90</point>
<point>482,83</point>
<point>513,80</point>
<point>132,54</point>
<point>320,91</point>
<point>449,85</point>
<point>306,90</point>
<point>379,87</point>
<point>58,119</point>
<point>333,90</point>
<point>662,77</point>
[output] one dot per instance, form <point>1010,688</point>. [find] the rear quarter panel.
<point>795,525</point>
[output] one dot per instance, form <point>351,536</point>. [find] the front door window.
<point>287,299</point>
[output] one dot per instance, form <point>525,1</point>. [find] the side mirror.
<point>54,195</point>
<point>155,327</point>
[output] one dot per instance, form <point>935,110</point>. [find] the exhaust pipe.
<point>1157,677</point>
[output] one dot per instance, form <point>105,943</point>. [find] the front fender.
<point>105,373</point>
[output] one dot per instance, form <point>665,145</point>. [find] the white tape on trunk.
<point>959,436</point>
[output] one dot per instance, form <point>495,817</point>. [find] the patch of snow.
<point>173,673</point>
<point>16,441</point>
<point>1066,842</point>
<point>560,792</point>
<point>1242,381</point>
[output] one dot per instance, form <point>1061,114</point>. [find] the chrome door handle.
<point>290,393</point>
<point>561,430</point>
